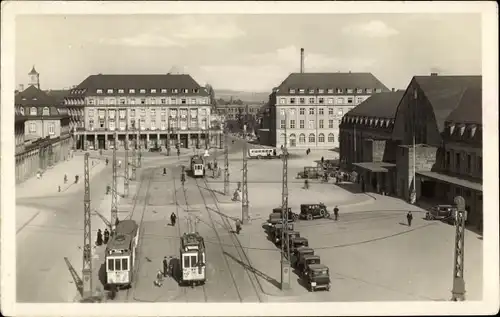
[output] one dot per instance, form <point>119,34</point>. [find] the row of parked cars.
<point>306,263</point>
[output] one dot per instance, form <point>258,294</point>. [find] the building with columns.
<point>42,135</point>
<point>156,110</point>
<point>431,150</point>
<point>311,105</point>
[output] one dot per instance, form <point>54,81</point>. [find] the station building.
<point>310,106</point>
<point>42,133</point>
<point>156,110</point>
<point>435,148</point>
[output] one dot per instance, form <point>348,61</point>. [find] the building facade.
<point>42,133</point>
<point>310,106</point>
<point>155,110</point>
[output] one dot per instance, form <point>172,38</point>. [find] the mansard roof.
<point>470,108</point>
<point>381,105</point>
<point>32,96</point>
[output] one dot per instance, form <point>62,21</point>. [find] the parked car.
<point>299,253</point>
<point>318,277</point>
<point>295,243</point>
<point>312,172</point>
<point>310,211</point>
<point>276,232</point>
<point>291,216</point>
<point>274,219</point>
<point>440,212</point>
<point>155,149</point>
<point>306,261</point>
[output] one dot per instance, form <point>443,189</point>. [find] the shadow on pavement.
<point>102,276</point>
<point>76,278</point>
<point>353,188</point>
<point>302,283</point>
<point>403,224</point>
<point>255,271</point>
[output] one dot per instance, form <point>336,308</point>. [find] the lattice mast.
<point>226,163</point>
<point>87,231</point>
<point>244,191</point>
<point>458,291</point>
<point>114,187</point>
<point>285,249</point>
<point>126,176</point>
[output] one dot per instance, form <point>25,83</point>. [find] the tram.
<point>197,166</point>
<point>121,254</point>
<point>192,259</point>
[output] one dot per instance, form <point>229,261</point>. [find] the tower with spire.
<point>34,78</point>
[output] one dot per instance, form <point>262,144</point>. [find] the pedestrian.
<point>108,189</point>
<point>322,160</point>
<point>107,161</point>
<point>215,164</point>
<point>165,266</point>
<point>173,218</point>
<point>106,236</point>
<point>76,179</point>
<point>65,178</point>
<point>209,166</point>
<point>59,188</point>
<point>409,217</point>
<point>38,175</point>
<point>178,152</point>
<point>238,226</point>
<point>164,171</point>
<point>99,238</point>
<point>336,212</point>
<point>306,184</point>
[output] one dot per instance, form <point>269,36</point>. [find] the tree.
<point>211,92</point>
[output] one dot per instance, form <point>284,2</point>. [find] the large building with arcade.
<point>155,110</point>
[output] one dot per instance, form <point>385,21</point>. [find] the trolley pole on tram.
<point>87,230</point>
<point>114,188</point>
<point>226,163</point>
<point>458,291</point>
<point>245,219</point>
<point>285,249</point>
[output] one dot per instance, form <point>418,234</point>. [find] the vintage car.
<point>312,172</point>
<point>155,149</point>
<point>317,277</point>
<point>310,211</point>
<point>306,261</point>
<point>276,231</point>
<point>299,253</point>
<point>274,219</point>
<point>440,212</point>
<point>296,242</point>
<point>291,216</point>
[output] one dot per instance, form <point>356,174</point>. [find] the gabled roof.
<point>58,95</point>
<point>381,105</point>
<point>137,82</point>
<point>330,81</point>
<point>470,109</point>
<point>445,93</point>
<point>32,96</point>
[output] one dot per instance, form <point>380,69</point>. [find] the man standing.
<point>409,217</point>
<point>165,266</point>
<point>336,213</point>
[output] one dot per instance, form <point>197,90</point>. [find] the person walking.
<point>173,218</point>
<point>99,238</point>
<point>336,212</point>
<point>238,226</point>
<point>409,217</point>
<point>165,266</point>
<point>65,178</point>
<point>106,236</point>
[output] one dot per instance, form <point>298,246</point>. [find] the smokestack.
<point>301,60</point>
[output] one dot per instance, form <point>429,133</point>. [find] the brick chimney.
<point>302,60</point>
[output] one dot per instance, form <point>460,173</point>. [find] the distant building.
<point>310,106</point>
<point>442,116</point>
<point>153,109</point>
<point>42,135</point>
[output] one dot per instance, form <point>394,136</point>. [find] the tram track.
<point>234,241</point>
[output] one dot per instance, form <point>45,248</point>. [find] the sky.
<point>251,52</point>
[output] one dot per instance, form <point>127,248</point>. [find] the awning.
<point>452,180</point>
<point>382,167</point>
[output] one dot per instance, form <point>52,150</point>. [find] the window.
<point>193,101</point>
<point>121,91</point>
<point>359,100</point>
<point>359,90</point>
<point>350,90</point>
<point>282,124</point>
<point>330,111</point>
<point>153,91</point>
<point>321,91</point>
<point>46,111</point>
<point>186,91</point>
<point>321,138</point>
<point>302,111</point>
<point>204,100</point>
<point>122,125</point>
<point>131,91</point>
<point>311,111</point>
<point>457,162</point>
<point>111,124</point>
<point>311,91</point>
<point>132,101</point>
<point>122,101</point>
<point>378,90</point>
<point>302,100</point>
<point>321,100</point>
<point>368,90</point>
<point>111,101</point>
<point>183,101</point>
<point>91,101</point>
<point>321,111</point>
<point>153,101</point>
<point>163,100</point>
<point>302,138</point>
<point>292,112</point>
<point>143,112</point>
<point>292,124</point>
<point>321,124</point>
<point>22,111</point>
<point>101,123</point>
<point>301,124</point>
<point>203,112</point>
<point>312,138</point>
<point>125,264</point>
<point>102,113</point>
<point>123,113</point>
<point>111,264</point>
<point>142,91</point>
<point>52,128</point>
<point>153,125</point>
<point>175,90</point>
<point>330,90</point>
<point>340,112</point>
<point>91,124</point>
<point>311,124</point>
<point>33,111</point>
<point>163,91</point>
<point>311,100</point>
<point>110,91</point>
<point>282,100</point>
<point>302,91</point>
<point>173,101</point>
<point>291,90</point>
<point>132,112</point>
<point>32,127</point>
<point>330,124</point>
<point>350,100</point>
<point>101,101</point>
<point>331,138</point>
<point>99,91</point>
<point>292,100</point>
<point>339,90</point>
<point>152,112</point>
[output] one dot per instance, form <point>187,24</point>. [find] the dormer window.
<point>175,90</point>
<point>131,91</point>
<point>186,91</point>
<point>472,129</point>
<point>121,91</point>
<point>311,91</point>
<point>321,91</point>
<point>34,98</point>
<point>142,91</point>
<point>368,90</point>
<point>339,90</point>
<point>359,90</point>
<point>452,128</point>
<point>99,91</point>
<point>462,129</point>
<point>378,90</point>
<point>350,90</point>
<point>330,90</point>
<point>291,90</point>
<point>110,91</point>
<point>302,91</point>
<point>153,91</point>
<point>24,98</point>
<point>196,90</point>
<point>164,91</point>
<point>46,111</point>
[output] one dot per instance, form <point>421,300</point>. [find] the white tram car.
<point>197,166</point>
<point>192,259</point>
<point>121,254</point>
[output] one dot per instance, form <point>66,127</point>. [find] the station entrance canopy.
<point>451,180</point>
<point>376,167</point>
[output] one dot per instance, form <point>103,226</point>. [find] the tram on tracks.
<point>121,255</point>
<point>197,166</point>
<point>192,259</point>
